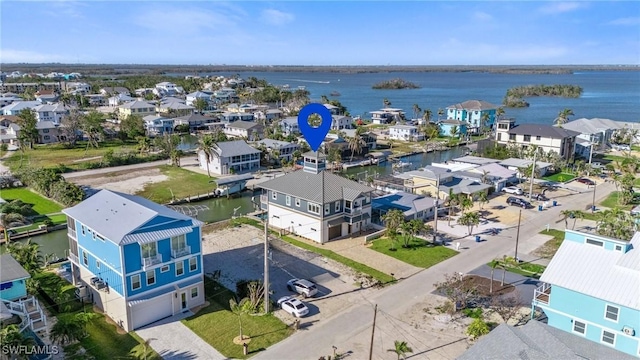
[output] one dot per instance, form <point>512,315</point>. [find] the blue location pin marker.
<point>314,135</point>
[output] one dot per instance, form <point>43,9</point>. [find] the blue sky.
<point>321,33</point>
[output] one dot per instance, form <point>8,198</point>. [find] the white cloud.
<point>482,16</point>
<point>183,21</point>
<point>22,56</point>
<point>276,17</point>
<point>625,21</point>
<point>561,7</point>
<point>66,8</point>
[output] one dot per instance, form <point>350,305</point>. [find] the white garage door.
<point>146,312</point>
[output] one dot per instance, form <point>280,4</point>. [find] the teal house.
<point>476,113</point>
<point>591,289</point>
<point>449,125</point>
<point>13,279</point>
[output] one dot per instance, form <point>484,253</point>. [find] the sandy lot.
<point>127,182</point>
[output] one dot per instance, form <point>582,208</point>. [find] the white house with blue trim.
<point>141,261</point>
<point>591,289</point>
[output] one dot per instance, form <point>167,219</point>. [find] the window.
<point>179,242</point>
<point>527,138</point>
<point>46,131</point>
<point>135,282</point>
<point>538,138</point>
<point>337,206</point>
<point>367,199</point>
<point>194,292</point>
<point>327,209</point>
<point>512,137</point>
<point>297,202</point>
<point>151,277</point>
<point>193,264</point>
<point>179,268</point>
<point>579,327</point>
<point>313,208</point>
<point>100,237</point>
<point>93,234</point>
<point>47,137</point>
<point>98,264</point>
<point>594,242</point>
<point>164,269</point>
<point>288,200</point>
<point>611,313</point>
<point>82,229</point>
<point>618,248</point>
<point>274,195</point>
<point>347,204</point>
<point>85,258</point>
<point>608,337</point>
<point>499,136</point>
<point>149,250</point>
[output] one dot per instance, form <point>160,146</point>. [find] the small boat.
<point>401,164</point>
<point>335,93</point>
<point>231,184</point>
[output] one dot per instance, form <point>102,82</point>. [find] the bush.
<point>473,313</point>
<point>477,328</point>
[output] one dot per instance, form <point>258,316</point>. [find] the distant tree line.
<point>395,84</point>
<point>515,95</point>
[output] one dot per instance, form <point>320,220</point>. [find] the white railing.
<point>542,294</point>
<point>151,260</point>
<point>71,232</point>
<point>14,307</point>
<point>355,211</point>
<point>73,258</point>
<point>176,253</point>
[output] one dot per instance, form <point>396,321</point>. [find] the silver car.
<point>303,287</point>
<point>293,306</point>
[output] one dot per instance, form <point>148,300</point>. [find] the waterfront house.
<point>440,182</point>
<point>20,88</point>
<point>8,99</point>
<point>51,112</point>
<point>96,99</point>
<point>248,130</point>
<point>369,138</point>
<point>140,108</point>
<point>473,160</point>
<point>496,175</point>
<point>387,115</point>
<point>13,279</point>
<point>316,204</point>
<point>195,121</point>
<point>518,165</point>
<point>448,125</point>
<point>405,133</point>
<point>272,114</point>
<point>229,117</point>
<point>591,289</point>
<point>120,99</point>
<point>289,126</point>
<point>139,261</point>
<point>172,107</point>
<point>472,112</point>
<point>231,157</point>
<point>77,88</point>
<point>412,206</point>
<point>285,149</point>
<point>16,107</point>
<point>158,125</point>
<point>115,90</point>
<point>545,137</point>
<point>166,88</point>
<point>204,95</point>
<point>539,341</point>
<point>339,122</point>
<point>596,133</point>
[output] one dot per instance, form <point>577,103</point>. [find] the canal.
<point>223,208</point>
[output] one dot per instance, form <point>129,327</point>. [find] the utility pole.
<point>533,173</point>
<point>266,258</point>
<point>590,155</point>
<point>373,331</point>
<point>593,201</point>
<point>518,235</point>
<point>435,215</point>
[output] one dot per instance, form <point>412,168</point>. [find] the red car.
<point>585,181</point>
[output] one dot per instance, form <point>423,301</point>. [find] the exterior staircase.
<point>30,312</point>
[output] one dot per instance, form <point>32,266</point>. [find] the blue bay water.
<point>607,94</point>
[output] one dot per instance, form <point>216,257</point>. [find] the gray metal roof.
<point>604,274</point>
<point>475,160</point>
<point>592,126</point>
<point>408,203</point>
<point>45,125</point>
<point>136,105</point>
<point>235,148</point>
<point>11,269</point>
<point>232,179</point>
<point>520,163</point>
<point>115,215</point>
<point>320,188</point>
<point>538,341</point>
<point>243,125</point>
<point>473,105</point>
<point>547,131</point>
<point>464,186</point>
<point>151,236</point>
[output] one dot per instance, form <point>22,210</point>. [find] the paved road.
<point>351,329</point>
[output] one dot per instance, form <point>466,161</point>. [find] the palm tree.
<point>70,327</point>
<point>454,131</point>
<point>207,144</point>
<point>453,201</point>
<point>493,264</point>
<point>407,233</point>
<point>427,115</point>
<point>239,308</point>
<point>416,111</point>
<point>392,221</point>
<point>482,199</point>
<point>440,113</point>
<point>200,104</point>
<point>355,144</point>
<point>28,255</point>
<point>484,120</point>
<point>11,337</point>
<point>465,203</point>
<point>470,220</point>
<point>401,348</point>
<point>563,117</point>
<point>386,103</point>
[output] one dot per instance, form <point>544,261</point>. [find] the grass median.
<point>41,204</point>
<point>418,253</point>
<point>180,184</point>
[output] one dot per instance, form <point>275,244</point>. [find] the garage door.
<point>148,311</point>
<point>335,232</point>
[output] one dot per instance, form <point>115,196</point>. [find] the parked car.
<point>585,181</point>
<point>512,200</point>
<point>538,197</point>
<point>293,306</point>
<point>512,190</point>
<point>303,287</point>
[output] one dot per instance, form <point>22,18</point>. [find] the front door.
<point>183,301</point>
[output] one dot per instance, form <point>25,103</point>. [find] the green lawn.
<point>560,177</point>
<point>611,202</point>
<point>525,269</point>
<point>51,155</point>
<point>41,205</point>
<point>376,274</point>
<point>636,182</point>
<point>613,158</point>
<point>56,219</point>
<point>419,253</point>
<point>217,325</point>
<point>550,247</point>
<point>182,183</point>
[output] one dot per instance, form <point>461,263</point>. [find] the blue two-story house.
<point>141,261</point>
<point>591,289</point>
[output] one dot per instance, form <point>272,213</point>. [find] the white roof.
<point>592,270</point>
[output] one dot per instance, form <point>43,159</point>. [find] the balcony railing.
<point>356,211</point>
<point>151,260</point>
<point>542,294</point>
<point>71,233</point>
<point>177,253</point>
<point>263,198</point>
<point>74,258</point>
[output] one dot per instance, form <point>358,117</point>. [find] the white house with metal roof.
<point>591,288</point>
<point>405,133</point>
<point>545,137</point>
<point>316,204</point>
<point>231,157</point>
<point>138,261</point>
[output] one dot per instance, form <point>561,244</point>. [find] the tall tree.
<point>416,111</point>
<point>356,143</point>
<point>92,127</point>
<point>386,103</point>
<point>132,126</point>
<point>470,220</point>
<point>563,116</point>
<point>28,128</point>
<point>440,113</point>
<point>201,104</point>
<point>206,145</point>
<point>70,127</point>
<point>12,337</point>
<point>392,221</point>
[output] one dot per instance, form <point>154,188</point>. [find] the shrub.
<point>477,328</point>
<point>473,313</point>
